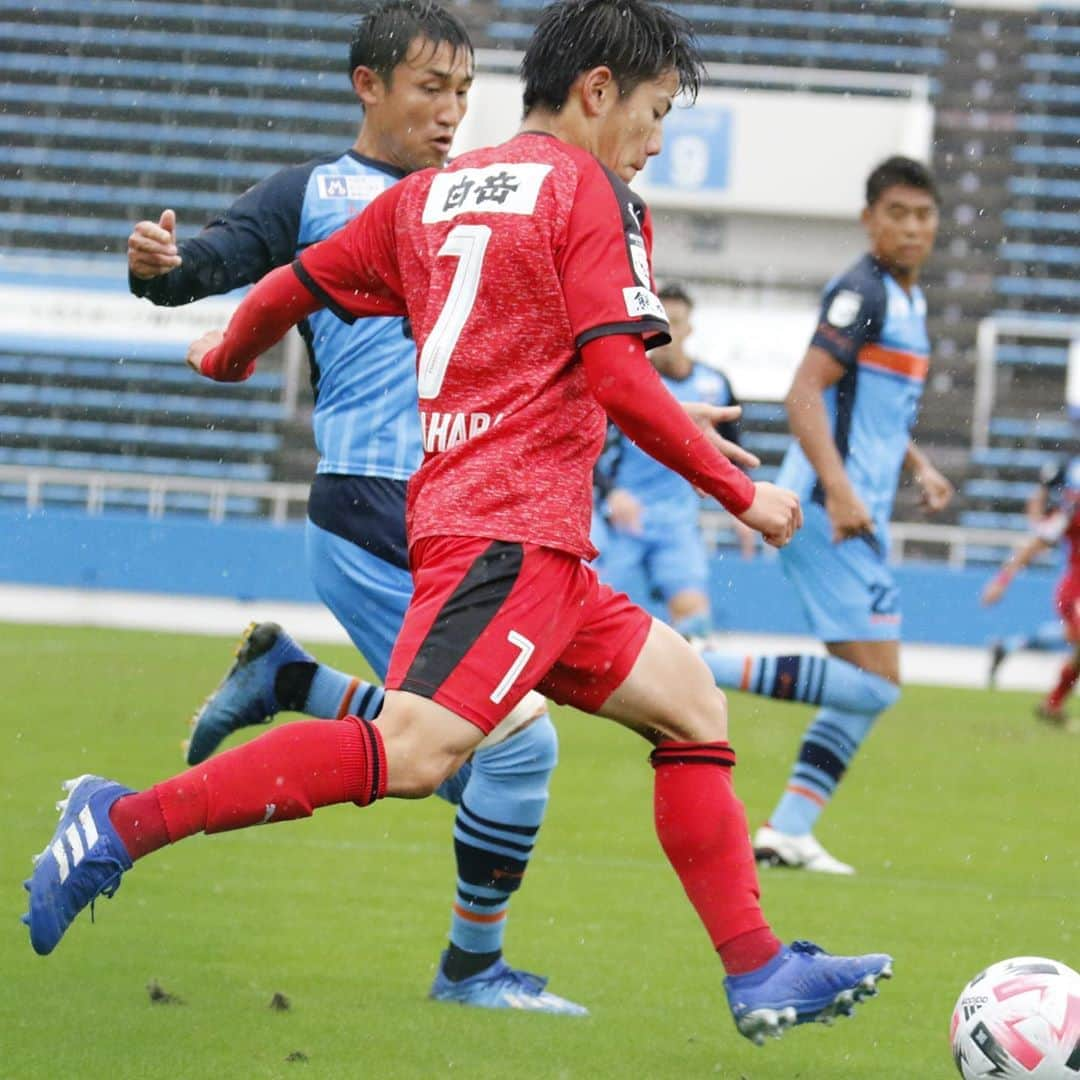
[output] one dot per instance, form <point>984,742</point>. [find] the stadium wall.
<point>261,561</point>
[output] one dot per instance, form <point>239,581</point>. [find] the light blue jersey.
<point>366,421</point>
<point>652,484</point>
<point>877,331</point>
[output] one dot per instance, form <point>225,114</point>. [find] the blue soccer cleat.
<point>503,987</point>
<point>246,694</point>
<point>800,985</point>
<point>84,860</point>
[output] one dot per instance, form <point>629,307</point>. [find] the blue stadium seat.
<point>1003,457</point>
<point>1032,355</point>
<point>1042,220</point>
<point>122,434</point>
<point>263,16</point>
<point>1041,288</point>
<point>125,38</point>
<point>992,519</point>
<point>1055,35</point>
<point>191,502</point>
<point>1054,156</point>
<point>210,104</point>
<point>1052,62</point>
<point>1048,125</point>
<point>1008,427</point>
<point>122,373</point>
<point>1039,187</point>
<point>1056,254</point>
<point>36,457</point>
<point>105,132</point>
<point>110,161</point>
<point>195,408</point>
<point>1050,93</point>
<point>1009,491</point>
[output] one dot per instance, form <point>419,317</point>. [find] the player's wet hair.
<point>638,40</point>
<point>382,37</point>
<point>672,290</point>
<point>899,171</point>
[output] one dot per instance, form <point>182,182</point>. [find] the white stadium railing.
<point>285,502</point>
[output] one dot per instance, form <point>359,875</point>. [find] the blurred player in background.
<point>652,544</point>
<point>531,318</point>
<point>1061,500</point>
<point>411,66</point>
<point>851,407</point>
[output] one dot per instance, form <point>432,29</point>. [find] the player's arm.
<point>633,395</point>
<point>936,490</point>
<point>810,424</point>
<point>255,235</point>
<point>1051,530</point>
<point>353,272</point>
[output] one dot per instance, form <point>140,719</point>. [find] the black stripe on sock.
<point>480,901</point>
<point>373,756</point>
<point>786,680</point>
<point>705,754</point>
<point>366,698</point>
<point>816,755</point>
<point>521,830</point>
<point>490,839</point>
<point>488,869</point>
<point>820,669</point>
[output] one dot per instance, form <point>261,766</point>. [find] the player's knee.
<point>703,717</point>
<point>416,776</point>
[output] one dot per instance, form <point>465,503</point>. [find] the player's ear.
<point>599,91</point>
<point>369,86</point>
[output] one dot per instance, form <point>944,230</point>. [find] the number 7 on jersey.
<point>468,244</point>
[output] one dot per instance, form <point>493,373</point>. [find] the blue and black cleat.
<point>802,984</point>
<point>246,694</point>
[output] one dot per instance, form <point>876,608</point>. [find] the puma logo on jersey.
<point>443,430</point>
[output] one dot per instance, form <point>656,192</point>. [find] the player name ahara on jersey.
<point>443,430</point>
<point>502,188</point>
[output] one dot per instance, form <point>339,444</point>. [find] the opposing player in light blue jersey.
<point>411,65</point>
<point>851,406</point>
<point>649,537</point>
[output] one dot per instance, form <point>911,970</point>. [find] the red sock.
<point>1066,681</point>
<point>287,773</point>
<point>702,829</point>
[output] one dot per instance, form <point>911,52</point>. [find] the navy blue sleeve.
<point>732,429</point>
<point>852,312</point>
<point>257,234</point>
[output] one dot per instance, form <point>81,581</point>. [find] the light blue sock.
<point>498,817</point>
<point>329,688</point>
<point>827,748</point>
<point>815,680</point>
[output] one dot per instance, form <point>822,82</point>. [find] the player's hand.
<point>623,511</point>
<point>775,513</point>
<point>848,514</point>
<point>707,417</point>
<point>200,347</point>
<point>937,492</point>
<point>152,247</point>
<point>994,591</point>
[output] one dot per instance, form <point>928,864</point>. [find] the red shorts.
<point>1067,601</point>
<point>492,619</point>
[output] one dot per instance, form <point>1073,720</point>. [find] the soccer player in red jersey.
<point>1061,522</point>
<point>525,272</point>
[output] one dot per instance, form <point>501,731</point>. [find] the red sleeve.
<point>605,265</point>
<point>632,394</point>
<point>354,272</point>
<point>278,302</point>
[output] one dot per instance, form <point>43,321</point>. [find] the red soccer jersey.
<point>506,262</point>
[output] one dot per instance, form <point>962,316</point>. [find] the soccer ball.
<point>1019,1020</point>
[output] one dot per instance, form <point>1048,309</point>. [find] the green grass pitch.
<point>960,815</point>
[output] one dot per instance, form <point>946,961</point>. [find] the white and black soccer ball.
<point>1019,1020</point>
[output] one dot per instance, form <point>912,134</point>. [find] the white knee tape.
<point>528,708</point>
